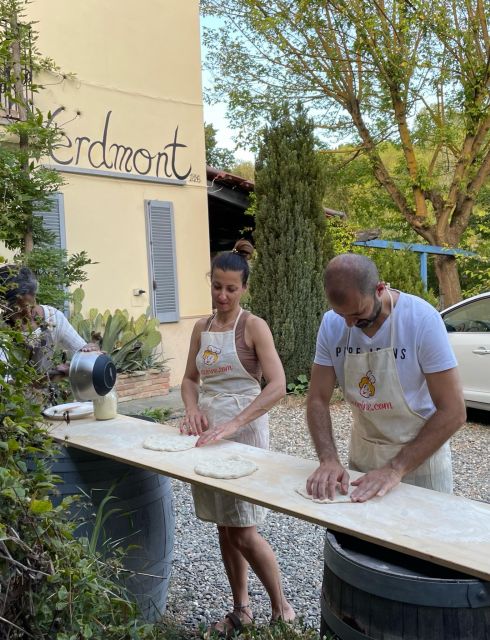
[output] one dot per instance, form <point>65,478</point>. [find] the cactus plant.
<point>132,343</point>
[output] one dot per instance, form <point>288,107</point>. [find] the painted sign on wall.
<point>103,153</point>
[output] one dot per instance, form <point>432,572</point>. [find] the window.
<point>473,317</point>
<point>54,221</point>
<point>162,260</point>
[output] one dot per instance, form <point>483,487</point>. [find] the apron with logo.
<point>226,390</point>
<point>383,421</point>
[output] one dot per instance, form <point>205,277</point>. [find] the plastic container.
<point>105,407</point>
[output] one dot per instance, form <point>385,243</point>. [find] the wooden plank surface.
<point>447,530</point>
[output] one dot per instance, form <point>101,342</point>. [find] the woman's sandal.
<point>236,624</point>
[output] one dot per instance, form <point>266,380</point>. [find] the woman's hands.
<point>194,422</point>
<point>217,433</point>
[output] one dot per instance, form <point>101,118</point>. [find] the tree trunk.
<point>448,277</point>
<point>28,242</point>
<point>22,106</point>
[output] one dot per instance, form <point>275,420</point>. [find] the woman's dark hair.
<point>16,281</point>
<point>235,260</point>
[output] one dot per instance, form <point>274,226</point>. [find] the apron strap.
<point>211,319</point>
<point>237,319</point>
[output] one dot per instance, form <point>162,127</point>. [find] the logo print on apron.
<point>367,383</point>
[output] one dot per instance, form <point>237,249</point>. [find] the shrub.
<point>51,584</point>
<point>287,275</point>
<point>131,343</point>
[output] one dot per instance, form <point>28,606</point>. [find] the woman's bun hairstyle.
<point>244,248</point>
<point>235,260</point>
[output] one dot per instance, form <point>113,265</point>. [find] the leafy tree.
<point>28,136</point>
<point>286,281</point>
<point>366,69</point>
<point>245,169</point>
<point>55,271</point>
<point>217,157</point>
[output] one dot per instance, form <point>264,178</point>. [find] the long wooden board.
<point>447,530</point>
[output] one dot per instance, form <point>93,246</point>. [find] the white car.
<point>468,326</point>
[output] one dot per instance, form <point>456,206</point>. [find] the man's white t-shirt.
<point>420,346</point>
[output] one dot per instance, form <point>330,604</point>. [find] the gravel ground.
<point>199,592</point>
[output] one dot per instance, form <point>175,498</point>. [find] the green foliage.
<point>300,386</point>
<point>26,188</point>
<point>352,189</point>
<point>287,275</point>
<point>159,414</point>
<point>340,234</point>
<point>401,270</point>
<point>217,157</point>
<point>404,88</point>
<point>26,184</point>
<point>51,584</point>
<point>245,169</point>
<point>56,272</point>
<point>355,192</point>
<point>131,343</point>
<point>475,271</point>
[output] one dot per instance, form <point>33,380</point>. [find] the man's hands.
<point>324,481</point>
<point>329,476</point>
<point>375,483</point>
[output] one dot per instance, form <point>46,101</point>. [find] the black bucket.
<point>373,593</point>
<point>143,522</point>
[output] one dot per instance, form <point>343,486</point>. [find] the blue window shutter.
<point>54,220</point>
<point>162,260</point>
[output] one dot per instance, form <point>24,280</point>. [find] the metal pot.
<point>92,374</point>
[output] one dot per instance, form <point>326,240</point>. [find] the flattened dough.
<point>170,442</point>
<point>338,496</point>
<point>226,468</point>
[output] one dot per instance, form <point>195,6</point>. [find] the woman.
<point>45,328</point>
<point>229,353</point>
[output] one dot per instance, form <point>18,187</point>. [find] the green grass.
<point>160,414</point>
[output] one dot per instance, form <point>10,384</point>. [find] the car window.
<point>473,317</point>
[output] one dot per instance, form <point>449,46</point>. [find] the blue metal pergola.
<point>422,249</point>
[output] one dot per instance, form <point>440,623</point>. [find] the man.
<point>390,354</point>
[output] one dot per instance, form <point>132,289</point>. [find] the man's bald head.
<point>350,272</point>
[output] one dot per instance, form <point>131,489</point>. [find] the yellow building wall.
<point>138,73</point>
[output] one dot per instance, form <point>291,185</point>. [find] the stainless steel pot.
<point>92,374</point>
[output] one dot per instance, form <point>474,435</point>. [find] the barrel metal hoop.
<point>338,626</point>
<point>449,594</point>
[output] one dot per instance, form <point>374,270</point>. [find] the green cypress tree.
<point>287,277</point>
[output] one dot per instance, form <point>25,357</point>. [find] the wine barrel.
<point>141,519</point>
<point>373,593</point>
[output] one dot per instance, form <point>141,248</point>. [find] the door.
<point>468,326</point>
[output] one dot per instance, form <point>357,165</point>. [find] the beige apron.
<point>383,421</point>
<point>226,390</point>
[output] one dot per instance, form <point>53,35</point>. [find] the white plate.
<point>75,410</point>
